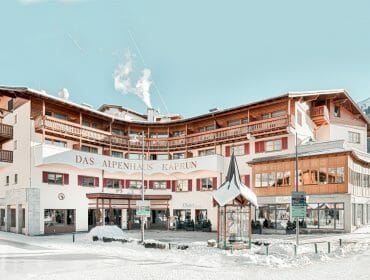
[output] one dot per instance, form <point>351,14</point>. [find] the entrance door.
<point>113,216</point>
<point>158,219</point>
<point>91,218</point>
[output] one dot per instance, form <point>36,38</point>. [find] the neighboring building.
<point>365,106</point>
<point>66,167</point>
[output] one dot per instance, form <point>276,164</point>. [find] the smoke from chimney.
<point>122,80</point>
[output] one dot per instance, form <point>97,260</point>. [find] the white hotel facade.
<point>65,167</point>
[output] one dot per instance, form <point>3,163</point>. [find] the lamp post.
<point>142,181</point>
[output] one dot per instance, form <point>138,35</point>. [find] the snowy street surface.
<point>57,257</point>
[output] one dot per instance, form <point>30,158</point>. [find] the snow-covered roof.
<point>232,188</point>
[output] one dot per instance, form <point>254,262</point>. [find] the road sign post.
<point>298,209</point>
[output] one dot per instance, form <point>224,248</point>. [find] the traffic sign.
<point>143,208</point>
<point>298,205</point>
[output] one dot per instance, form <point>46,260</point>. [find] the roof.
<point>322,148</point>
<point>293,94</point>
<point>233,188</point>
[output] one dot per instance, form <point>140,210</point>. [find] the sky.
<point>201,54</point>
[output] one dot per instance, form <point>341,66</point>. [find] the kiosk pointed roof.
<point>233,188</point>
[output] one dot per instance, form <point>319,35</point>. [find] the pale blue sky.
<point>202,54</point>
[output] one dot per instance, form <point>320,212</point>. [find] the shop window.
<point>13,218</point>
<point>206,184</point>
<point>200,215</point>
<point>89,149</point>
<point>23,221</point>
<point>182,185</point>
<point>117,154</point>
<point>2,217</point>
<point>70,217</point>
<point>182,215</point>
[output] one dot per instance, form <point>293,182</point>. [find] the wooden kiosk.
<point>234,201</point>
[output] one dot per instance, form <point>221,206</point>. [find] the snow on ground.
<point>57,257</point>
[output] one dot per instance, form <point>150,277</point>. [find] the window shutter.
<point>247,180</point>
<point>151,184</point>
<point>79,180</point>
<point>259,147</point>
<point>168,182</point>
<point>284,143</point>
<point>198,184</point>
<point>96,181</point>
<point>190,183</point>
<point>44,177</point>
<point>127,184</point>
<point>214,183</point>
<point>227,151</point>
<point>174,185</point>
<point>105,182</point>
<point>246,148</point>
<point>122,182</point>
<point>65,179</point>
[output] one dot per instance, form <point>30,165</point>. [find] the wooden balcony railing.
<point>6,156</point>
<point>6,131</point>
<point>320,114</point>
<point>220,135</point>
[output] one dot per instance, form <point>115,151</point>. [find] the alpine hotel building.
<point>66,167</point>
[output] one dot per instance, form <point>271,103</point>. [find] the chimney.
<point>152,114</point>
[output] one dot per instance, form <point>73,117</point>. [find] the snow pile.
<point>107,232</point>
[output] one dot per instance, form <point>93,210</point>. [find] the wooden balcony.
<point>6,132</point>
<point>6,156</point>
<point>222,135</point>
<point>320,115</point>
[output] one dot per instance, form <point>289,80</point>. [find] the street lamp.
<point>135,140</point>
<point>296,170</point>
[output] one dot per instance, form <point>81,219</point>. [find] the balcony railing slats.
<point>158,144</point>
<point>6,156</point>
<point>6,131</point>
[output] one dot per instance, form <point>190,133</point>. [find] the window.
<point>135,184</point>
<point>265,179</point>
<point>10,105</point>
<point>55,178</point>
<point>278,114</point>
<point>7,180</point>
<point>273,145</point>
<point>178,133</point>
<point>15,144</point>
<point>135,156</point>
<point>15,178</point>
<point>178,156</point>
<point>257,182</point>
<point>88,181</point>
<point>89,149</point>
<point>182,186</point>
<point>206,184</point>
<point>112,183</point>
<point>331,175</point>
<point>162,157</point>
<point>116,131</point>
<point>265,116</point>
<point>160,185</point>
<point>233,122</point>
<point>206,128</point>
<point>60,116</point>
<point>272,179</point>
<point>2,217</point>
<point>308,177</point>
<point>56,142</point>
<point>117,154</point>
<point>354,137</point>
<point>245,120</point>
<point>299,117</point>
<point>238,150</point>
<point>23,221</point>
<point>336,111</point>
<point>282,178</point>
<point>206,152</point>
<point>323,176</point>
<point>15,118</point>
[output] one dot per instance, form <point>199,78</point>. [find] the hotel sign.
<point>85,160</point>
